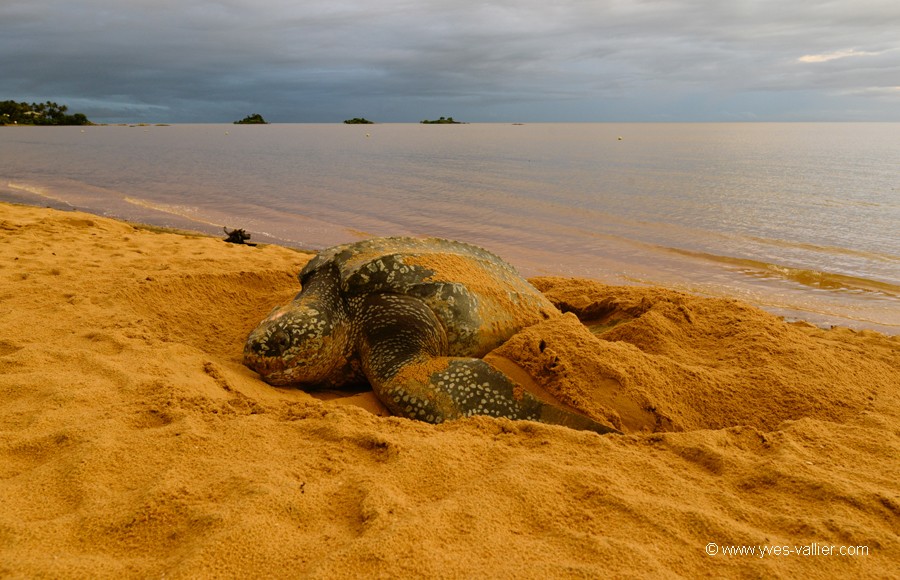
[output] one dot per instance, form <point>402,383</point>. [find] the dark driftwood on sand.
<point>237,236</point>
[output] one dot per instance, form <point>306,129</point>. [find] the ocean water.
<point>800,219</point>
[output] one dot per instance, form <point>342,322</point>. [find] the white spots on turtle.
<point>414,407</point>
<point>473,395</point>
<point>390,266</point>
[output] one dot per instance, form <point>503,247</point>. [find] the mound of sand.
<point>133,443</point>
<point>648,359</point>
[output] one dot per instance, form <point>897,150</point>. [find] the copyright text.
<point>782,550</point>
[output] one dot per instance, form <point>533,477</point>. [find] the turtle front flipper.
<point>403,349</point>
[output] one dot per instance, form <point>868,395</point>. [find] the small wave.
<point>180,211</point>
<point>806,277</point>
<point>881,257</point>
<point>36,190</point>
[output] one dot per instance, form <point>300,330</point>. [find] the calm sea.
<point>801,219</point>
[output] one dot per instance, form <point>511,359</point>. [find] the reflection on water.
<point>799,218</point>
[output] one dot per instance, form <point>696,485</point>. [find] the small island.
<point>442,121</point>
<point>254,119</point>
<point>49,113</point>
<point>359,121</point>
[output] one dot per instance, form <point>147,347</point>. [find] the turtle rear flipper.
<point>403,354</point>
<point>557,416</point>
<point>443,388</point>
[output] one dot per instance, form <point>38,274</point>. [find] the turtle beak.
<point>263,350</point>
<point>270,369</point>
<point>269,345</point>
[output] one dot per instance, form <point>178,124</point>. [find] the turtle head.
<point>305,342</point>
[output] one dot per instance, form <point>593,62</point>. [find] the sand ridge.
<point>133,443</point>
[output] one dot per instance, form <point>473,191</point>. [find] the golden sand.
<point>133,443</point>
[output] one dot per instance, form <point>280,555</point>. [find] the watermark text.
<point>783,550</point>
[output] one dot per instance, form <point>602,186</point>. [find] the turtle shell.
<point>480,299</point>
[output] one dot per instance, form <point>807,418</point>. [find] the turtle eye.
<point>279,341</point>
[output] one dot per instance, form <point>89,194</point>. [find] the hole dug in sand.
<point>649,360</point>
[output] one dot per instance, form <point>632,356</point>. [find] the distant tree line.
<point>358,121</point>
<point>254,119</point>
<point>49,113</point>
<point>442,121</point>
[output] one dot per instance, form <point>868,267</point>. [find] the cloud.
<point>836,55</point>
<point>395,60</point>
<point>888,92</point>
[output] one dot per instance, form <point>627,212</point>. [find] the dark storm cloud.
<point>326,60</point>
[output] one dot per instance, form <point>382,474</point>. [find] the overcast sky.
<point>501,60</point>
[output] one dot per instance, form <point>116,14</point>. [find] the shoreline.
<point>769,299</point>
<point>136,444</point>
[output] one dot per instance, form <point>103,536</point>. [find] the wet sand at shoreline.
<point>135,444</point>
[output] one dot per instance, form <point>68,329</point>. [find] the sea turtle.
<point>412,317</point>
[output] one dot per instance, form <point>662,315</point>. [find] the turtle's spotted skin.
<point>412,317</point>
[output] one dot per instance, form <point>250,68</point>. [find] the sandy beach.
<point>134,444</point>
